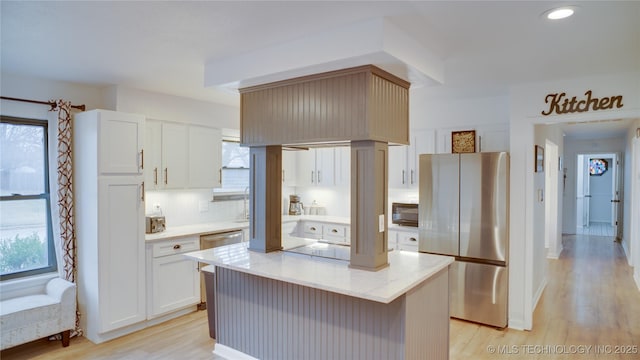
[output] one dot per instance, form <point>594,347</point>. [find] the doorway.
<point>598,186</point>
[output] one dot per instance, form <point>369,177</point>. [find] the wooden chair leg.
<point>65,338</point>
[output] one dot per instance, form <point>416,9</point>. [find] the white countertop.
<point>407,269</point>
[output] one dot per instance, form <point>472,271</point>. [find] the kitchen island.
<point>287,305</point>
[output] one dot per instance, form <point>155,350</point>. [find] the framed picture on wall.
<point>463,141</point>
<point>539,159</point>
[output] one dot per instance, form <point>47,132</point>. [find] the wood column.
<point>369,172</point>
<point>265,203</point>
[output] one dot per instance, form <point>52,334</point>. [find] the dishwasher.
<point>209,241</point>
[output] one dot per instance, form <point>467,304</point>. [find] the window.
<point>26,238</point>
<point>235,166</point>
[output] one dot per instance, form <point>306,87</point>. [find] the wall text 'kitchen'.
<point>559,103</point>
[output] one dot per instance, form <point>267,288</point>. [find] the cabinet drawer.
<point>312,229</point>
<point>331,230</point>
<point>176,246</point>
<point>407,241</point>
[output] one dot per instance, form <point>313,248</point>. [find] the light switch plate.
<point>381,223</point>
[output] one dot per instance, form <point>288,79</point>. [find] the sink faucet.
<point>245,213</point>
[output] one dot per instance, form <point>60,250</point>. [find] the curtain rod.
<point>53,104</point>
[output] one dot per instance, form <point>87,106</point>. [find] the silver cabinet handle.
<point>313,228</point>
<point>312,173</point>
<point>412,239</point>
<point>402,177</point>
<point>283,175</point>
<point>166,172</point>
<point>220,176</point>
<point>319,177</point>
<point>412,176</point>
<point>177,247</point>
<point>335,231</point>
<point>155,176</point>
<point>142,195</point>
<point>142,159</point>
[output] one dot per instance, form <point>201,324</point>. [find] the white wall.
<point>527,103</point>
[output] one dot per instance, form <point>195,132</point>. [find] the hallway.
<point>590,300</point>
<point>597,229</point>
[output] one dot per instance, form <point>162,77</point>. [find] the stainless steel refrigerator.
<point>464,212</point>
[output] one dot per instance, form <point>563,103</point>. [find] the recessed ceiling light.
<point>559,13</point>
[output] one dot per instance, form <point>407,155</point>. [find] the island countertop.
<point>406,269</point>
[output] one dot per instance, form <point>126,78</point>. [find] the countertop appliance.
<point>155,224</point>
<point>295,206</point>
<point>464,212</point>
<point>405,214</point>
<point>209,241</point>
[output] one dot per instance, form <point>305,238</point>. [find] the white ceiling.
<point>163,46</point>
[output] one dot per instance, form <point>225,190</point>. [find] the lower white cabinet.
<point>336,233</point>
<point>173,280</point>
<point>407,240</point>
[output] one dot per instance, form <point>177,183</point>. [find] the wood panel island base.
<point>282,305</point>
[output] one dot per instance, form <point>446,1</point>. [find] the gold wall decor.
<point>463,141</point>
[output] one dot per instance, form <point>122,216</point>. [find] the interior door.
<point>582,192</point>
<point>616,197</point>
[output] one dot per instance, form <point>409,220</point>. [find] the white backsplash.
<point>186,207</point>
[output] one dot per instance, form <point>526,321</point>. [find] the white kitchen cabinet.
<point>121,141</point>
<point>175,151</point>
<point>182,156</point>
<point>153,156</point>
<point>404,160</point>
<point>205,161</point>
<point>343,166</point>
<point>336,233</point>
<point>110,232</point>
<point>493,138</point>
<point>315,167</point>
<point>408,240</point>
<point>392,239</point>
<point>289,171</point>
<point>311,230</point>
<point>173,280</point>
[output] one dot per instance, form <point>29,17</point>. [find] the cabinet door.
<point>205,157</point>
<point>397,166</point>
<point>422,142</point>
<point>306,167</point>
<point>121,142</point>
<point>174,155</point>
<point>176,284</point>
<point>311,230</point>
<point>343,166</point>
<point>493,139</point>
<point>153,155</point>
<point>121,252</point>
<point>325,166</point>
<point>289,171</point>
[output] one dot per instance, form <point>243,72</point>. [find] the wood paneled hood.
<point>360,103</point>
<point>363,106</point>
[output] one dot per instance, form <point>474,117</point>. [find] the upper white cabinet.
<point>205,161</point>
<point>289,173</point>
<point>175,151</point>
<point>404,160</point>
<point>121,141</point>
<point>316,167</point>
<point>343,166</point>
<point>182,156</point>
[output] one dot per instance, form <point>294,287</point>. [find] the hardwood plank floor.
<point>590,300</point>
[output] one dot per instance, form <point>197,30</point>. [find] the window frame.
<point>223,189</point>
<point>46,196</point>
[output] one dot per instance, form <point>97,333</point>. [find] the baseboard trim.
<point>538,294</point>
<point>231,353</point>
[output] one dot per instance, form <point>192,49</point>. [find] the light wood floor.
<point>590,300</point>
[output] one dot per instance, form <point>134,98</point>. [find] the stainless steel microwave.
<point>405,214</point>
